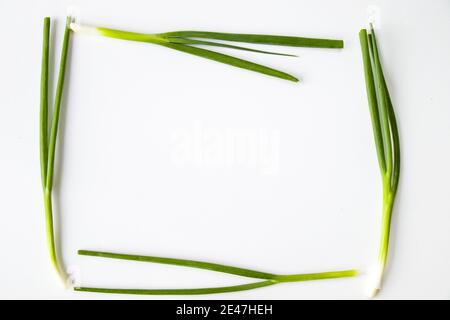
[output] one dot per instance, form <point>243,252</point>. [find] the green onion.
<point>386,141</point>
<point>48,143</point>
<point>259,38</point>
<point>224,45</point>
<point>270,278</point>
<point>183,41</point>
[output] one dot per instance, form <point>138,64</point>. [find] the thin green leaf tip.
<point>48,140</point>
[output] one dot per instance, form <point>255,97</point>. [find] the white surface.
<point>309,202</point>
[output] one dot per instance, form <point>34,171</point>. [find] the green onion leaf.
<point>372,99</point>
<point>57,107</point>
<point>181,262</point>
<point>190,291</point>
<point>259,38</point>
<point>181,41</point>
<point>222,45</point>
<point>236,62</point>
<point>43,142</point>
<point>387,142</point>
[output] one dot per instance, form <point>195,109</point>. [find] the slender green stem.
<point>182,41</point>
<point>270,278</point>
<point>394,133</point>
<point>49,228</point>
<point>57,108</point>
<point>182,262</point>
<point>388,203</point>
<point>57,264</point>
<point>43,130</point>
<point>190,291</point>
<point>372,99</point>
<point>315,276</point>
<point>236,62</point>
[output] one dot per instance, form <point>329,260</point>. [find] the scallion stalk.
<point>387,143</point>
<point>48,143</point>
<point>186,41</point>
<point>269,278</point>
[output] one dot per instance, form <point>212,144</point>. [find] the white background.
<point>121,186</point>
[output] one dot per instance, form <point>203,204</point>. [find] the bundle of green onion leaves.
<point>192,42</point>
<point>387,142</point>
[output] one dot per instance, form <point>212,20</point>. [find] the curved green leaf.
<point>192,291</point>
